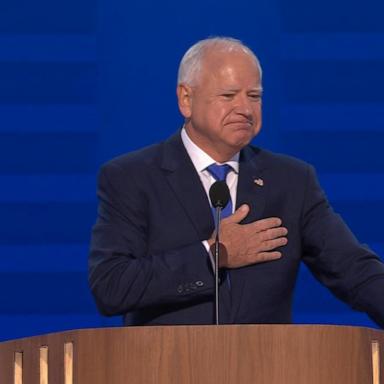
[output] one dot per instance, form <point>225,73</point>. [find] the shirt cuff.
<point>206,245</point>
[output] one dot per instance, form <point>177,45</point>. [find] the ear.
<point>184,98</point>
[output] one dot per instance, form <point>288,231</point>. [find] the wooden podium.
<point>225,354</point>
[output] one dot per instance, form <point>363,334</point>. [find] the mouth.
<point>240,124</point>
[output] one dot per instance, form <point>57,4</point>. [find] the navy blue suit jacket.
<point>147,261</point>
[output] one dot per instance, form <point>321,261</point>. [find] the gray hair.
<point>191,63</point>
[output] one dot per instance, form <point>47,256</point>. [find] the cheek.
<point>225,112</point>
<point>257,126</point>
<point>217,115</point>
<point>257,109</point>
<point>198,114</point>
<point>257,115</point>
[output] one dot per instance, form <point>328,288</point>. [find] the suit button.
<point>199,283</point>
<point>180,289</point>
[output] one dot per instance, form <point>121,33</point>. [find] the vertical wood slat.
<point>68,363</point>
<point>375,362</point>
<point>18,368</point>
<point>44,365</point>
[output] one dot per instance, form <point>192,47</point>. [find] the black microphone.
<point>219,196</point>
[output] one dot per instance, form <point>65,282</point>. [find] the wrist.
<point>223,254</point>
<point>211,243</point>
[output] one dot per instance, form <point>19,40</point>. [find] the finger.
<point>273,233</point>
<point>240,214</point>
<point>267,256</point>
<point>264,224</point>
<point>272,244</point>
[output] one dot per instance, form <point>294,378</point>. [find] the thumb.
<point>240,214</point>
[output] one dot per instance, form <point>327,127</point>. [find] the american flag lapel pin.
<point>259,182</point>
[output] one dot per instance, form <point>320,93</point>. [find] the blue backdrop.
<point>81,82</point>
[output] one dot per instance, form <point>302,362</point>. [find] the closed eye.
<point>255,96</point>
<point>228,95</point>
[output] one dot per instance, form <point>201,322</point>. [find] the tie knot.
<point>219,172</point>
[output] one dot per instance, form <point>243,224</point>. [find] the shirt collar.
<point>202,160</point>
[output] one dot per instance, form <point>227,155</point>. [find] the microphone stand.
<point>217,252</point>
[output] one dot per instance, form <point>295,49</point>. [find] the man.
<point>150,255</point>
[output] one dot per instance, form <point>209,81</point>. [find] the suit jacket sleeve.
<point>124,274</point>
<point>353,272</point>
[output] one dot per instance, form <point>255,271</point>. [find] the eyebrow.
<point>259,89</point>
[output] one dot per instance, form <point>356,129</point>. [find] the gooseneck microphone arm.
<point>219,196</point>
<point>217,251</point>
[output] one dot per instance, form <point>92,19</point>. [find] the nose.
<point>243,106</point>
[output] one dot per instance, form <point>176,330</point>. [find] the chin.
<point>242,139</point>
<point>239,145</point>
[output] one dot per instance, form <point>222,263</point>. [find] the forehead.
<point>229,67</point>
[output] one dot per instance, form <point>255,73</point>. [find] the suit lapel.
<point>252,190</point>
<point>186,184</point>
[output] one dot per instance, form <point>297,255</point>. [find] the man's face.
<point>223,111</point>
